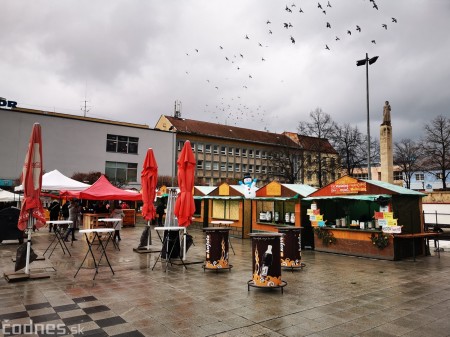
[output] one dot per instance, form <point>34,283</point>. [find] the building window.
<point>230,167</point>
<point>258,154</point>
<point>250,153</point>
<point>237,167</point>
<point>180,145</point>
<point>398,175</point>
<point>439,176</point>
<point>230,151</point>
<point>193,145</point>
<point>207,165</point>
<point>264,154</point>
<point>419,177</point>
<point>237,152</point>
<point>200,164</point>
<point>250,168</point>
<point>199,147</point>
<point>216,166</point>
<point>264,169</point>
<point>216,149</point>
<point>223,167</point>
<point>208,148</point>
<point>244,152</point>
<point>122,144</point>
<point>244,168</point>
<point>258,169</point>
<point>121,172</point>
<point>223,150</point>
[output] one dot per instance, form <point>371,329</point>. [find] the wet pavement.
<point>333,295</point>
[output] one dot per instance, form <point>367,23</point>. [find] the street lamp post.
<point>366,62</point>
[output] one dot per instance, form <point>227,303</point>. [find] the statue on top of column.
<point>386,114</point>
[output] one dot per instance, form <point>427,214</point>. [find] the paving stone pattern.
<point>333,295</point>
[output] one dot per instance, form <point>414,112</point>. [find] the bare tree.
<point>321,127</point>
<point>350,144</point>
<point>408,155</point>
<point>436,147</point>
<point>286,162</point>
<point>88,178</point>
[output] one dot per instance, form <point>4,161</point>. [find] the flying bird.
<point>349,32</point>
<point>358,28</point>
<point>337,39</point>
<point>293,5</point>
<point>319,5</point>
<point>226,58</point>
<point>328,25</point>
<point>260,44</point>
<point>250,76</point>
<point>326,47</point>
<point>241,55</point>
<point>394,20</point>
<point>262,59</point>
<point>328,4</point>
<point>270,32</point>
<point>288,9</point>
<point>324,12</point>
<point>268,22</point>
<point>384,26</point>
<point>292,40</point>
<point>375,5</point>
<point>246,37</point>
<point>220,47</point>
<point>373,41</point>
<point>300,11</point>
<point>285,25</point>
<point>196,50</point>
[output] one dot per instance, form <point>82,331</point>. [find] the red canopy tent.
<point>102,189</point>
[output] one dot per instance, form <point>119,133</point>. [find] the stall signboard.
<point>349,188</point>
<point>392,229</point>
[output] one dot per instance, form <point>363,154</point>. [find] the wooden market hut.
<point>227,202</point>
<point>278,204</point>
<point>348,214</point>
<point>202,204</point>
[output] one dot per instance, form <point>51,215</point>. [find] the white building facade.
<point>74,144</point>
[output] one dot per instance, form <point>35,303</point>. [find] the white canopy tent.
<point>6,196</point>
<point>56,181</point>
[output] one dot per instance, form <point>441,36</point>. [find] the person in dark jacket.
<point>53,209</point>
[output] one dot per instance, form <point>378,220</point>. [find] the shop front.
<point>201,204</point>
<point>367,218</point>
<point>277,205</point>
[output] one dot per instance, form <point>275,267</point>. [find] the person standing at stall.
<point>117,213</point>
<point>73,216</point>
<point>54,209</point>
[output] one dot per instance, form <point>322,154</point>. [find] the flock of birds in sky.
<point>245,70</point>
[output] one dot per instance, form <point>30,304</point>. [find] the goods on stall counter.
<point>315,217</point>
<point>386,221</point>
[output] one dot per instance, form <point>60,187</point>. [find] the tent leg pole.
<point>30,228</point>
<point>149,236</point>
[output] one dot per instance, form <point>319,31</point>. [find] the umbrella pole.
<point>30,228</point>
<point>149,236</point>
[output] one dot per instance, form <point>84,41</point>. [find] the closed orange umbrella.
<point>149,179</point>
<point>184,206</point>
<point>31,212</point>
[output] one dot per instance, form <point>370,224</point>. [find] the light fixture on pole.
<point>367,62</point>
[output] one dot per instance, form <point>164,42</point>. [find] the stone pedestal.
<point>386,154</point>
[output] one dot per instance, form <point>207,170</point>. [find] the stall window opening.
<point>226,209</point>
<point>122,144</point>
<point>119,172</point>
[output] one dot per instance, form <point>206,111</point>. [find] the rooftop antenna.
<point>85,108</point>
<point>177,112</point>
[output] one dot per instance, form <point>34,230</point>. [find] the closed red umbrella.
<point>184,206</point>
<point>31,212</point>
<point>149,179</point>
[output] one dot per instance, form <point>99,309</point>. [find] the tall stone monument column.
<point>386,147</point>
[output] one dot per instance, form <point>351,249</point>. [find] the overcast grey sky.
<point>132,59</point>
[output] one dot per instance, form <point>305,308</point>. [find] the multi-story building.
<point>81,144</point>
<point>225,153</point>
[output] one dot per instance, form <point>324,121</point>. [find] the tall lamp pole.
<point>366,62</point>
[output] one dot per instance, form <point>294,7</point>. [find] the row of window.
<point>122,144</point>
<point>123,172</point>
<point>224,150</point>
<point>215,166</point>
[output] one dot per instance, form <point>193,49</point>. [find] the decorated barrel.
<point>216,248</point>
<point>290,246</point>
<point>266,264</point>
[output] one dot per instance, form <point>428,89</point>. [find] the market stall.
<point>201,204</point>
<point>278,205</point>
<point>367,218</point>
<point>227,202</point>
